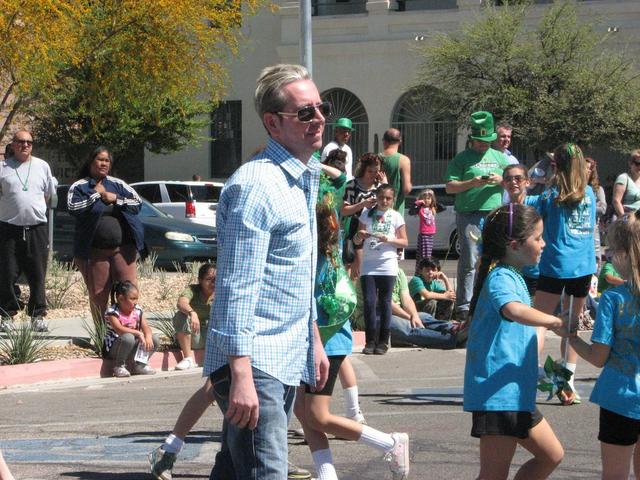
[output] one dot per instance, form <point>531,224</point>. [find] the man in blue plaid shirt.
<point>262,338</point>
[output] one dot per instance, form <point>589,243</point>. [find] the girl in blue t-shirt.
<point>501,366</point>
<point>568,209</point>
<point>616,346</point>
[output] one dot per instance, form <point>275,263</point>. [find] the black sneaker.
<point>369,348</point>
<point>381,349</point>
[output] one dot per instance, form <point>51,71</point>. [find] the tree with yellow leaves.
<point>130,74</point>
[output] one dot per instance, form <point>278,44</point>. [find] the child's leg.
<point>428,245</point>
<point>636,462</point>
<point>547,453</point>
<point>349,384</point>
<point>123,349</point>
<point>384,284</point>
<point>5,473</point>
<point>184,340</point>
<point>371,321</point>
<point>616,461</point>
<point>193,410</point>
<point>496,452</point>
<point>545,302</point>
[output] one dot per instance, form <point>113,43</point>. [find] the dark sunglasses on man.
<point>306,114</point>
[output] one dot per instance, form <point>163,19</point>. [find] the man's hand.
<point>194,322</point>
<point>416,322</point>
<point>244,408</point>
<point>449,295</point>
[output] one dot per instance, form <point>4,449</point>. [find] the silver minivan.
<point>193,201</point>
<point>446,237</point>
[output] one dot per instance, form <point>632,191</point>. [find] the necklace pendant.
<point>24,189</point>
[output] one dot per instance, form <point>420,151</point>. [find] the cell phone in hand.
<point>485,177</point>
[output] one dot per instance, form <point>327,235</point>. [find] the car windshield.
<point>149,210</point>
<point>206,193</point>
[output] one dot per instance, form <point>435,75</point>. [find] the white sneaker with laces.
<point>141,369</point>
<point>121,372</point>
<point>186,363</point>
<point>398,456</point>
<point>358,417</point>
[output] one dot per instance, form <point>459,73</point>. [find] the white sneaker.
<point>398,456</point>
<point>121,372</point>
<point>358,417</point>
<point>39,325</point>
<point>186,363</point>
<point>141,369</point>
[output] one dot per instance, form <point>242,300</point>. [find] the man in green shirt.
<point>474,177</point>
<point>396,166</point>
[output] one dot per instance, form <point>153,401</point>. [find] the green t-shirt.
<point>391,166</point>
<point>202,308</point>
<point>607,269</point>
<point>469,164</point>
<point>417,284</point>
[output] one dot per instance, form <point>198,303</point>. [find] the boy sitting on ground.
<point>431,290</point>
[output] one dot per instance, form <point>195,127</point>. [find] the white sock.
<point>173,444</point>
<point>323,461</point>
<point>572,368</point>
<point>376,439</point>
<point>351,403</point>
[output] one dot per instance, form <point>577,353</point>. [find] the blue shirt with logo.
<point>568,233</point>
<point>502,355</point>
<point>618,326</point>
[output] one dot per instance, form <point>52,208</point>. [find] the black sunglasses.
<point>513,178</point>
<point>22,142</point>
<point>306,114</point>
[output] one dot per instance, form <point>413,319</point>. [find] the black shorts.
<point>508,423</point>
<point>532,284</point>
<point>578,287</point>
<point>334,368</point>
<point>617,429</point>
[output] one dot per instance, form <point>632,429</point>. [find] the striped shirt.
<point>264,306</point>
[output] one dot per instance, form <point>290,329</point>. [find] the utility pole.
<point>306,57</point>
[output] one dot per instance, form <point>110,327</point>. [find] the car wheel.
<point>454,243</point>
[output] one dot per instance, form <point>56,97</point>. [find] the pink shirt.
<point>427,221</point>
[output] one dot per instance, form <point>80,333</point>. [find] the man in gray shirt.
<point>26,185</point>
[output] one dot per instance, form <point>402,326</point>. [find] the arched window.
<point>428,140</point>
<point>346,104</point>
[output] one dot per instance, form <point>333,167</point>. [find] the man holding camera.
<point>474,177</point>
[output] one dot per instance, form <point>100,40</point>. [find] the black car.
<point>171,239</point>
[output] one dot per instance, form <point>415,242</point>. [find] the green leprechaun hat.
<point>482,127</point>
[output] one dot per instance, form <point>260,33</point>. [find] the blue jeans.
<point>468,257</point>
<point>435,333</point>
<point>260,453</point>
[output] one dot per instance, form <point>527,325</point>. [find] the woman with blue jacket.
<point>108,233</point>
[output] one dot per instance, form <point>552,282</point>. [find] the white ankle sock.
<point>376,439</point>
<point>173,444</point>
<point>323,461</point>
<point>572,368</point>
<point>351,403</point>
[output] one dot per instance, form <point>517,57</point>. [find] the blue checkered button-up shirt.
<point>264,306</point>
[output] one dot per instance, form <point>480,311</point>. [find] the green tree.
<point>555,81</point>
<point>129,74</point>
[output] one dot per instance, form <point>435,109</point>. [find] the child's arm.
<point>121,329</point>
<point>446,281</point>
<point>594,353</point>
<point>147,340</point>
<point>613,280</point>
<point>521,313</point>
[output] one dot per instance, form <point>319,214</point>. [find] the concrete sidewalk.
<point>72,330</point>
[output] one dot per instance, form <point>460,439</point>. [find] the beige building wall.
<point>372,54</point>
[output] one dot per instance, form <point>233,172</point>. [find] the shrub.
<point>61,277</point>
<point>22,344</point>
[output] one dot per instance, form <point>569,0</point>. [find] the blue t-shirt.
<point>341,343</point>
<point>502,356</point>
<point>618,325</point>
<point>568,233</point>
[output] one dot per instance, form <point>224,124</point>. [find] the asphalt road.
<point>103,428</point>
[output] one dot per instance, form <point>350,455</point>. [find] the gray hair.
<point>504,126</point>
<point>269,96</point>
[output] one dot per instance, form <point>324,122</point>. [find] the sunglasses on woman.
<point>306,114</point>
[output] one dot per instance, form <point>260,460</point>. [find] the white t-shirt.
<point>380,258</point>
<point>331,146</point>
<point>25,189</point>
